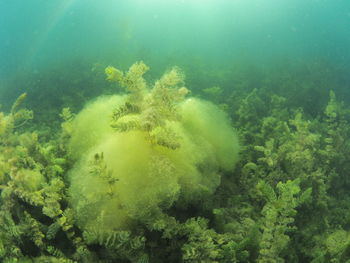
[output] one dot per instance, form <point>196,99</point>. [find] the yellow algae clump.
<point>138,154</point>
<point>208,124</point>
<point>92,124</point>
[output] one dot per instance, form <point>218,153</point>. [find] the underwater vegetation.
<point>158,148</point>
<point>156,173</point>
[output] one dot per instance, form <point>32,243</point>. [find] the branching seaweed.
<point>148,109</point>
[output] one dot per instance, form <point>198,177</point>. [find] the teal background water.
<point>37,34</point>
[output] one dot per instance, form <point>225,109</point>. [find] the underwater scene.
<point>170,131</point>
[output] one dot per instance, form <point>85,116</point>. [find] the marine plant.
<point>152,149</point>
<point>31,191</point>
<point>151,174</point>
